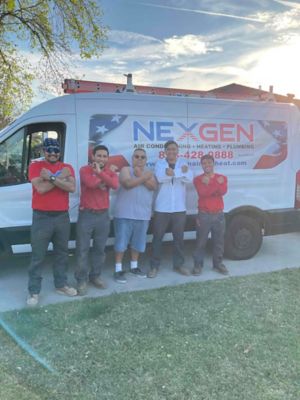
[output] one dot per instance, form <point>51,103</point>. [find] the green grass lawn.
<point>237,338</point>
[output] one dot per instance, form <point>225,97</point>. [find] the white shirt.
<point>171,192</point>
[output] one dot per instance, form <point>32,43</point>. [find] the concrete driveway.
<point>277,252</point>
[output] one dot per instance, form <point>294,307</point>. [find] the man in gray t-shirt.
<point>132,213</point>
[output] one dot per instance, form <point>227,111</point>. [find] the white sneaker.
<point>32,300</point>
<point>67,291</point>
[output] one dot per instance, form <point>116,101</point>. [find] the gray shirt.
<point>134,203</point>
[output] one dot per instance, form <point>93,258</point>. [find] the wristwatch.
<point>52,178</point>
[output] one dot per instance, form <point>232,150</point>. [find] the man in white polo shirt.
<point>172,174</point>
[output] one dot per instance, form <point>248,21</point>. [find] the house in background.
<point>240,92</point>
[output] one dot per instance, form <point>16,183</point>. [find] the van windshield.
<point>11,159</point>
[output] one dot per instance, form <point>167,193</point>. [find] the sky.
<point>200,44</point>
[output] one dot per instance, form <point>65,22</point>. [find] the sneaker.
<point>197,270</point>
<point>152,272</point>
<point>138,272</point>
<point>221,269</point>
<point>98,283</point>
<point>67,291</point>
<point>120,277</point>
<point>182,270</point>
<point>82,289</point>
<point>32,300</point>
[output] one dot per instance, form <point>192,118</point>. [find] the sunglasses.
<point>54,150</point>
<point>141,157</point>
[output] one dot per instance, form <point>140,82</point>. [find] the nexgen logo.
<point>206,132</point>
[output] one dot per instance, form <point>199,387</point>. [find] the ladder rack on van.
<point>82,86</point>
<point>72,86</point>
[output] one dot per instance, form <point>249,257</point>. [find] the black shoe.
<point>221,269</point>
<point>120,277</point>
<point>138,272</point>
<point>152,272</point>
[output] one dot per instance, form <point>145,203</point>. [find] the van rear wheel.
<point>243,238</point>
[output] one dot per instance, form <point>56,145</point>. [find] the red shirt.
<point>54,200</point>
<point>211,195</point>
<point>92,196</point>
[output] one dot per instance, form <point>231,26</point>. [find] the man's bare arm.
<point>128,182</point>
<point>151,183</point>
<point>67,184</point>
<point>41,185</point>
<point>64,180</point>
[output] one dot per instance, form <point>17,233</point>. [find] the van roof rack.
<point>72,86</point>
<point>82,86</point>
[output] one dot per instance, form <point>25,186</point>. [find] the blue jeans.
<point>214,223</point>
<point>91,225</point>
<point>133,231</point>
<point>161,222</point>
<point>49,227</point>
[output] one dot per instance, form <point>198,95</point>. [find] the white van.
<point>255,144</point>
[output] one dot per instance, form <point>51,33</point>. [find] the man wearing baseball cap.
<point>52,181</point>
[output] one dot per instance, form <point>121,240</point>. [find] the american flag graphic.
<point>102,124</point>
<point>277,151</point>
<point>278,131</point>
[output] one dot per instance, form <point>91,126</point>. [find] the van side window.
<point>25,145</point>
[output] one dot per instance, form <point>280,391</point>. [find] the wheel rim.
<point>243,238</point>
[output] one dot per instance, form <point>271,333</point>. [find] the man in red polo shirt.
<point>52,181</point>
<point>211,188</point>
<point>96,180</point>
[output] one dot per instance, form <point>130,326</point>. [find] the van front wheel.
<point>243,238</point>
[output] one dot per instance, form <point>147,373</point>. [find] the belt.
<point>91,210</point>
<point>50,213</point>
<point>210,212</point>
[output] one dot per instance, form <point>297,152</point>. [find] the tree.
<point>53,29</point>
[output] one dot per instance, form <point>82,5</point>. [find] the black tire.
<point>243,238</point>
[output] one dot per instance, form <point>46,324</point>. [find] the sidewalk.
<point>277,252</point>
